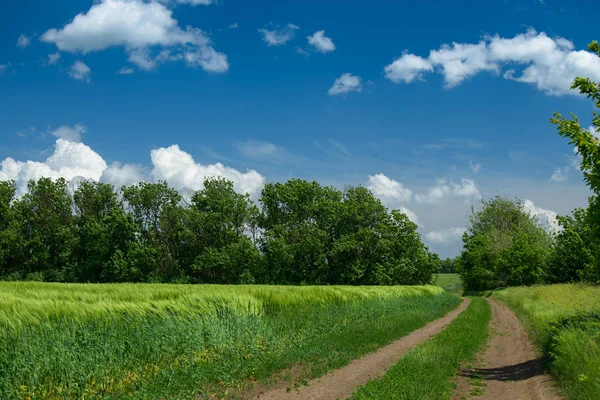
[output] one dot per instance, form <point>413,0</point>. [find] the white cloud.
<point>321,42</point>
<point>3,67</point>
<point>388,190</point>
<point>234,26</point>
<point>474,167</point>
<point>123,175</point>
<point>445,236</point>
<point>560,174</point>
<point>70,133</point>
<point>76,161</point>
<point>550,64</point>
<point>53,58</point>
<point>407,68</point>
<point>411,215</point>
<point>182,172</point>
<point>444,191</point>
<point>69,160</point>
<point>547,218</point>
<point>279,36</point>
<point>23,41</point>
<point>125,71</point>
<point>80,71</point>
<point>139,27</point>
<point>594,131</point>
<point>461,61</point>
<point>345,84</point>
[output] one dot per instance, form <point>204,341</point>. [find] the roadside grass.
<point>427,371</point>
<point>564,322</point>
<point>449,282</point>
<point>181,341</point>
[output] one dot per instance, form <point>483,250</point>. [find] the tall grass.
<point>177,341</point>
<point>564,321</point>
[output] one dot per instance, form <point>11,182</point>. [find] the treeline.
<point>302,233</point>
<point>505,246</point>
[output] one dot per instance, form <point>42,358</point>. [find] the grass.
<point>564,321</point>
<point>178,341</point>
<point>449,282</point>
<point>427,371</point>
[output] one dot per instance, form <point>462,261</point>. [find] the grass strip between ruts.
<point>426,371</point>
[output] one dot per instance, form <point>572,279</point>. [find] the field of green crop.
<point>564,321</point>
<point>449,282</point>
<point>180,341</point>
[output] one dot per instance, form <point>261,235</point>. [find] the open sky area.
<point>433,105</point>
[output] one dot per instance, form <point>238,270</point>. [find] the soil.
<point>341,383</point>
<point>510,368</point>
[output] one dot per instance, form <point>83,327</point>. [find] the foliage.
<point>564,321</point>
<point>504,246</point>
<point>427,371</point>
<point>577,254</point>
<point>186,341</point>
<point>304,234</point>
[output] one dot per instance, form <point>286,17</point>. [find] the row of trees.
<point>303,233</point>
<point>505,246</point>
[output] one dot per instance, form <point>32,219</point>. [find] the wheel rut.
<point>341,383</point>
<point>509,368</point>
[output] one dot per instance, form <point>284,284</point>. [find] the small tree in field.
<point>503,246</point>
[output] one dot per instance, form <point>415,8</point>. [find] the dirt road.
<point>340,384</point>
<point>510,366</point>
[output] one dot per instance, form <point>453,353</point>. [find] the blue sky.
<point>432,105</point>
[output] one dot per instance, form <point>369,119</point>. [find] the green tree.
<point>503,246</point>
<point>47,229</point>
<point>582,230</point>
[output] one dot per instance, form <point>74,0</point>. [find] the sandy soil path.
<point>510,365</point>
<point>340,384</point>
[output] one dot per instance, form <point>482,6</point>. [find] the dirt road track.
<point>340,384</point>
<point>511,368</point>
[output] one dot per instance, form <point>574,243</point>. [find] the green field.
<point>427,371</point>
<point>178,341</point>
<point>564,321</point>
<point>449,282</point>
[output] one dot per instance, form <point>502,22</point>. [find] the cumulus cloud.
<point>53,58</point>
<point>547,218</point>
<point>549,64</point>
<point>446,236</point>
<point>321,42</point>
<point>140,27</point>
<point>388,190</point>
<point>234,26</point>
<point>466,189</point>
<point>80,71</point>
<point>75,161</point>
<point>182,172</point>
<point>407,68</point>
<point>196,2</point>
<point>411,215</point>
<point>69,160</point>
<point>594,131</point>
<point>70,133</point>
<point>120,175</point>
<point>345,84</point>
<point>277,36</point>
<point>23,41</point>
<point>3,67</point>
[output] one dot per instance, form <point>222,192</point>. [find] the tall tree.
<point>582,230</point>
